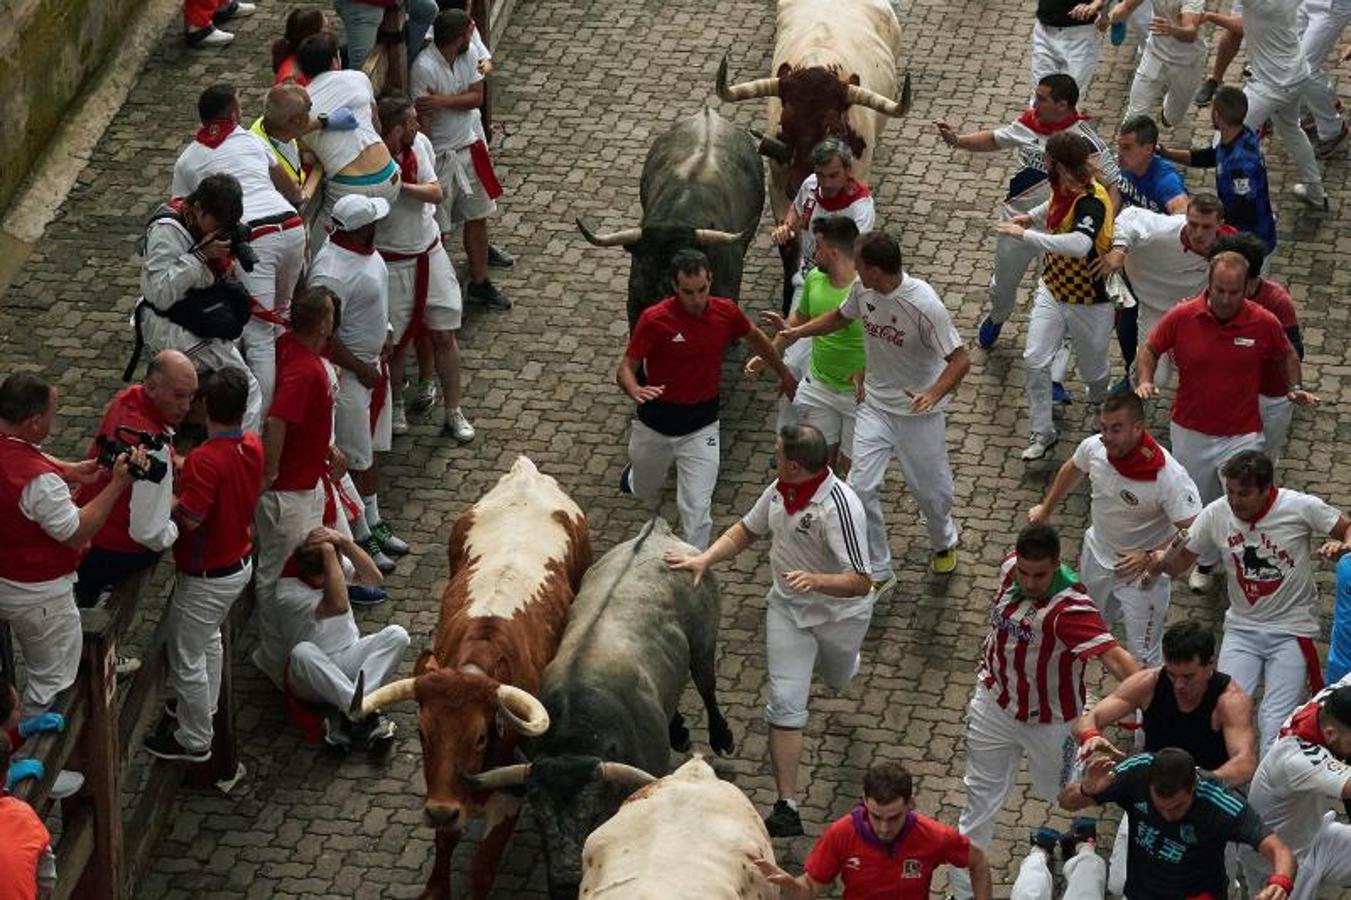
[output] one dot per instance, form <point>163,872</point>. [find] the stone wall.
<point>48,50</point>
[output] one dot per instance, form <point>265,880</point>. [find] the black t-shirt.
<point>1056,14</point>
<point>1173,860</point>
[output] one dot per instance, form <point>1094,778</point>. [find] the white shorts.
<point>792,652</point>
<point>444,303</point>
<point>465,200</point>
<point>352,429</point>
<point>827,410</point>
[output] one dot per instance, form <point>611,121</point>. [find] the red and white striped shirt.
<point>1034,657</point>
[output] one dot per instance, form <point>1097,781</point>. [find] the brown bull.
<point>516,560</point>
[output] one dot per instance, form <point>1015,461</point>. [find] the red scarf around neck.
<point>408,169</point>
<point>347,242</point>
<point>1144,463</point>
<point>1062,201</point>
<point>798,494</point>
<point>1304,725</point>
<point>1029,119</point>
<point>214,132</point>
<point>853,191</point>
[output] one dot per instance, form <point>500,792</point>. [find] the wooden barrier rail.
<point>101,855</point>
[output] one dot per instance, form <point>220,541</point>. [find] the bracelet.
<point>1089,735</point>
<point>1284,882</point>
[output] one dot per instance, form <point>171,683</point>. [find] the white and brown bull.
<point>834,76</point>
<point>685,835</point>
<point>516,560</point>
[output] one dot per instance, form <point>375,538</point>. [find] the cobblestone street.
<point>583,86</point>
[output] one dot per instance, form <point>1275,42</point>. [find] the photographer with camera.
<point>42,532</point>
<point>140,526</point>
<point>192,299</point>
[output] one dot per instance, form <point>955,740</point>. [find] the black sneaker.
<point>783,821</point>
<point>376,729</point>
<point>1206,92</point>
<point>1046,838</point>
<point>362,595</point>
<point>1083,830</point>
<point>626,479</point>
<point>338,731</point>
<point>499,258</point>
<point>171,708</point>
<point>485,293</point>
<point>166,746</point>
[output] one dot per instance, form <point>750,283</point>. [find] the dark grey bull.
<point>636,632</point>
<point>703,186</point>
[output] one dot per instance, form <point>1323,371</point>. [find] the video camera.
<point>110,448</point>
<point>238,235</point>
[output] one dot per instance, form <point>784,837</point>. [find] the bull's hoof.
<point>720,737</point>
<point>680,735</point>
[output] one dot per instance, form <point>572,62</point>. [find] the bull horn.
<point>711,236</point>
<point>394,692</point>
<point>860,96</point>
<point>525,713</point>
<point>773,148</point>
<point>746,90</point>
<point>514,775</point>
<point>614,239</point>
<point>624,775</point>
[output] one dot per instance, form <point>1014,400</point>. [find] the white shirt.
<point>328,91</point>
<point>907,338</point>
<point>1161,51</point>
<point>411,225</point>
<point>1296,783</point>
<point>863,211</point>
<point>243,155</point>
<point>361,283</point>
<point>1127,513</point>
<point>152,522</point>
<point>289,621</point>
<point>1029,185</point>
<point>1269,563</point>
<point>449,129</point>
<point>1271,42</point>
<point>827,535</point>
<point>45,500</point>
<point>1161,270</point>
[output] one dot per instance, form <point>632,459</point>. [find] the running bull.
<point>516,561</point>
<point>703,186</point>
<point>685,835</point>
<point>635,634</point>
<point>834,76</point>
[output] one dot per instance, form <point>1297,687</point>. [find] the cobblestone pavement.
<point>583,88</point>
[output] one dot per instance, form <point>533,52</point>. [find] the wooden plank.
<point>75,849</point>
<point>102,877</point>
<point>142,700</point>
<point>154,812</point>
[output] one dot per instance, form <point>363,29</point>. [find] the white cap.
<point>355,211</point>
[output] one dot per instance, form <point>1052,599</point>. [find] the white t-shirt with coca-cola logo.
<point>1269,563</point>
<point>907,338</point>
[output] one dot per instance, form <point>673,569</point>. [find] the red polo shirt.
<point>1276,300</point>
<point>130,408</point>
<point>1219,364</point>
<point>218,491</point>
<point>304,401</point>
<point>869,872</point>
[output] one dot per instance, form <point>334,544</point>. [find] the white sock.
<point>372,510</point>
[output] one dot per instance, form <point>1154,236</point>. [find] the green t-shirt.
<point>838,355</point>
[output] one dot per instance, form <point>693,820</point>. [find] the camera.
<point>110,448</point>
<point>238,235</point>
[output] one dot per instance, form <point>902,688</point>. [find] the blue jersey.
<point>1154,189</point>
<point>1241,182</point>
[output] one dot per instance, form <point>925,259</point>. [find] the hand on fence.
<point>21,769</point>
<point>41,723</point>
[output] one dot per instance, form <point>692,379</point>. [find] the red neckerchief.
<point>1266,507</point>
<point>1304,725</point>
<point>408,168</point>
<point>1062,202</point>
<point>346,242</point>
<point>1029,119</point>
<point>1225,231</point>
<point>1143,463</point>
<point>214,132</point>
<point>797,495</point>
<point>852,192</point>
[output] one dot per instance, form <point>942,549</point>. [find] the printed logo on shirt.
<point>911,868</point>
<point>854,863</point>
<point>1129,499</point>
<point>1244,342</point>
<point>804,524</point>
<point>1242,186</point>
<point>678,339</point>
<point>1260,568</point>
<point>871,308</point>
<point>1187,833</point>
<point>711,441</point>
<point>889,333</point>
<point>1085,222</point>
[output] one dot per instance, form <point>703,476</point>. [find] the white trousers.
<point>281,259</point>
<point>792,652</point>
<point>281,523</point>
<point>1325,20</point>
<point>1141,609</point>
<point>321,677</point>
<point>1085,876</point>
<point>1326,862</point>
<point>920,445</point>
<point>829,411</point>
<point>352,430</point>
<point>995,745</point>
<point>1089,328</point>
<point>696,460</point>
<point>1202,455</point>
<point>1281,106</point>
<point>1159,81</point>
<point>1276,662</point>
<point>1011,259</point>
<point>197,610</point>
<point>1073,51</point>
<point>1277,414</point>
<point>50,638</point>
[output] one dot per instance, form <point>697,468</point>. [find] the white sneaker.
<point>67,784</point>
<point>1315,197</point>
<point>400,419</point>
<point>241,9</point>
<point>1200,582</point>
<point>216,38</point>
<point>459,426</point>
<point>1039,445</point>
<point>127,665</point>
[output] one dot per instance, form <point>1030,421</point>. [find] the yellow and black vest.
<point>287,153</point>
<point>1067,277</point>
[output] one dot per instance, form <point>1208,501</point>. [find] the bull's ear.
<point>426,662</point>
<point>853,79</point>
<point>784,70</point>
